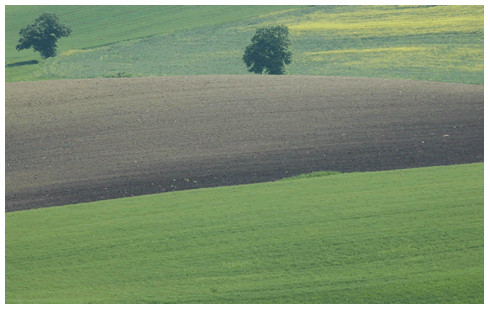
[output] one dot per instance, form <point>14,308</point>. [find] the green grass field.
<point>437,43</point>
<point>96,26</point>
<point>401,236</point>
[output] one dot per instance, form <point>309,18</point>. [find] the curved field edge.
<point>83,140</point>
<point>370,41</point>
<point>400,236</point>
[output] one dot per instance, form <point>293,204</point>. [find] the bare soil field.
<point>73,141</point>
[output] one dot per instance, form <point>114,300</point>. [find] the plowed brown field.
<point>83,140</point>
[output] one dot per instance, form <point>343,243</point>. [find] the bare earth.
<point>75,141</point>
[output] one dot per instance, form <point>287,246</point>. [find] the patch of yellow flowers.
<point>392,21</point>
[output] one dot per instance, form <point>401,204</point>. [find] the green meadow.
<point>401,236</point>
<point>436,43</point>
<point>96,26</point>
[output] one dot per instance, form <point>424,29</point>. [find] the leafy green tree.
<point>43,35</point>
<point>269,50</point>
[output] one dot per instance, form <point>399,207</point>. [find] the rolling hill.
<point>148,101</point>
<point>70,141</point>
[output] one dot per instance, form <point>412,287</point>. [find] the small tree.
<point>268,51</point>
<point>43,35</point>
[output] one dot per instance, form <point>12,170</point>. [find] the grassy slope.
<point>104,25</point>
<point>441,43</point>
<point>403,236</point>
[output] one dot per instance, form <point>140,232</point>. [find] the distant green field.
<point>437,43</point>
<point>402,236</point>
<point>95,26</point>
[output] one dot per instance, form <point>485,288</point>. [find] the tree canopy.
<point>43,35</point>
<point>269,50</point>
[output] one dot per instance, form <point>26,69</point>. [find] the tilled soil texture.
<point>75,141</point>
